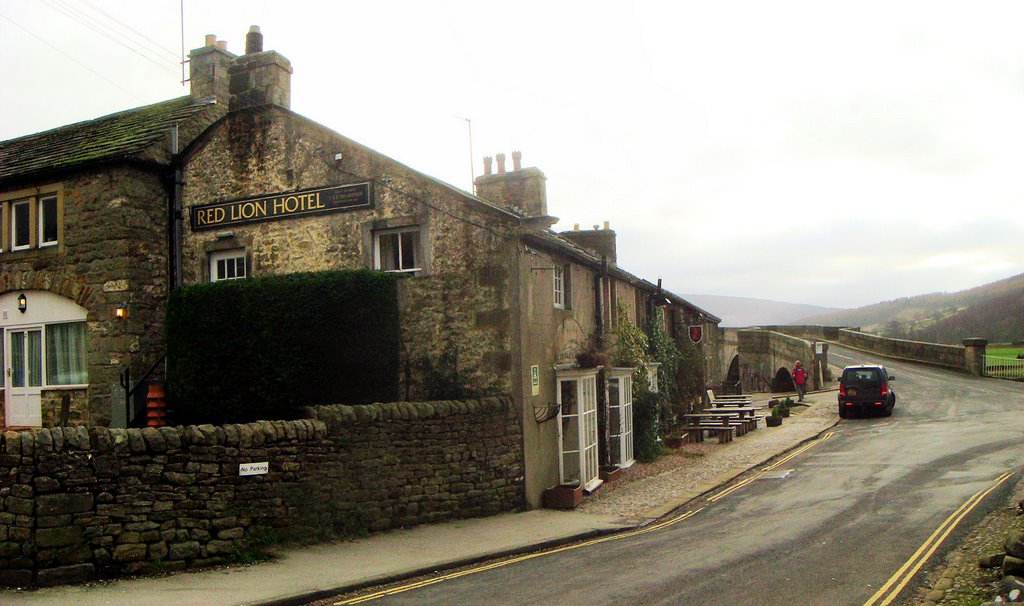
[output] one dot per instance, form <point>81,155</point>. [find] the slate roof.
<point>126,134</point>
<point>551,240</point>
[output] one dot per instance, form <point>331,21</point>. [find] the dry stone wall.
<point>79,503</point>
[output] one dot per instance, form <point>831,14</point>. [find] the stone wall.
<point>78,503</point>
<point>951,356</point>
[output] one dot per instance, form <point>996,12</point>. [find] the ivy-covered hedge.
<point>244,350</point>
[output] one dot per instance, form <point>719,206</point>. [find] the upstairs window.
<point>30,220</point>
<point>48,220</point>
<point>559,287</point>
<point>21,233</point>
<point>398,250</point>
<point>228,265</point>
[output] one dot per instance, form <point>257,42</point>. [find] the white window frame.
<point>579,423</point>
<point>41,219</point>
<point>417,252</point>
<point>652,375</point>
<point>620,381</point>
<point>232,254</point>
<point>558,285</point>
<point>27,203</point>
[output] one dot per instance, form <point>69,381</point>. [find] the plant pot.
<point>773,421</point>
<point>784,411</point>
<point>563,497</point>
<point>611,473</point>
<point>675,441</point>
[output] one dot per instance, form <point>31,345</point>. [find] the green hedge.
<point>244,350</point>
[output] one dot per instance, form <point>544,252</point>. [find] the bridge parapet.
<point>960,357</point>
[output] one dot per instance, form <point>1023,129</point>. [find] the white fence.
<point>1004,368</point>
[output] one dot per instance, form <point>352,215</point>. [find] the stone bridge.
<point>760,359</point>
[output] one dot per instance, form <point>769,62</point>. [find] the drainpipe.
<point>176,256</point>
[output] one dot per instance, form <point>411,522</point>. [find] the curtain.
<point>65,354</point>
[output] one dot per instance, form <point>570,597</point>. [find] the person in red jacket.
<point>800,380</point>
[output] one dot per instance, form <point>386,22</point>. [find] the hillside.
<point>745,311</point>
<point>994,311</point>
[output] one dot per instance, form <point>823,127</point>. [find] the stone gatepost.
<point>974,356</point>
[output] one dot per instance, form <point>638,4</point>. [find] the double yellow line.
<point>888,592</point>
<point>516,560</point>
<point>774,465</point>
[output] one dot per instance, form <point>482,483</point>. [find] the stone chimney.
<point>208,70</point>
<point>259,77</point>
<point>600,242</point>
<point>521,189</point>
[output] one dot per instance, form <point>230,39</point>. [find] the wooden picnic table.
<point>744,415</point>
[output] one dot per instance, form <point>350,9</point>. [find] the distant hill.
<point>744,311</point>
<point>994,311</point>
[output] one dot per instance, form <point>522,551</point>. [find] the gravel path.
<point>646,488</point>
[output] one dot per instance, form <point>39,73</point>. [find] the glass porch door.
<point>24,373</point>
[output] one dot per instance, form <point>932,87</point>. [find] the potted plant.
<point>774,419</point>
<point>784,407</point>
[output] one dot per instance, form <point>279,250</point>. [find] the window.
<point>398,250</point>
<point>559,288</point>
<point>48,220</point>
<point>30,219</point>
<point>65,354</point>
<point>652,375</point>
<point>577,428</point>
<point>20,219</point>
<point>620,415</point>
<point>228,265</point>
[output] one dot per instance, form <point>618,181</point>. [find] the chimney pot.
<point>597,227</point>
<point>517,160</point>
<point>222,45</point>
<point>253,40</point>
<point>606,224</point>
<point>211,39</point>
<point>501,163</point>
<point>575,226</point>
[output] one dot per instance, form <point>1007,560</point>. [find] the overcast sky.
<point>830,153</point>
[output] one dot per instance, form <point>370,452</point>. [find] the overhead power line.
<point>102,29</point>
<point>29,32</point>
<point>144,38</point>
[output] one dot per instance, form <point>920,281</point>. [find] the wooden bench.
<point>714,400</point>
<point>723,432</point>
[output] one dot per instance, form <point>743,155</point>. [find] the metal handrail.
<point>129,389</point>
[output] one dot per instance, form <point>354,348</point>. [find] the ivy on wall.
<point>263,347</point>
<point>630,350</point>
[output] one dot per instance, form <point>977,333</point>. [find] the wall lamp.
<point>121,310</point>
<point>22,302</point>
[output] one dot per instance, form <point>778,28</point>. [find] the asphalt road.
<point>829,526</point>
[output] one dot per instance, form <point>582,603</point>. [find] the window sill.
<point>30,253</point>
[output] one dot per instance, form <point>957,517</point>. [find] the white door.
<point>24,371</point>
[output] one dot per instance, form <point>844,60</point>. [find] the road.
<point>832,525</point>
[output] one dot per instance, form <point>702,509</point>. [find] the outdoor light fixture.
<point>22,303</point>
<point>121,310</point>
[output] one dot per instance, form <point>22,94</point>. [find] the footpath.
<point>646,492</point>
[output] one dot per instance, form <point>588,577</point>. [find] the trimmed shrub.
<point>260,348</point>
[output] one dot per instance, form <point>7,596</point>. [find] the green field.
<point>1010,369</point>
<point>1003,352</point>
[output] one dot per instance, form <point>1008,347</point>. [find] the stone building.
<point>84,215</point>
<point>496,303</point>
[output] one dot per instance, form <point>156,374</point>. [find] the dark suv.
<point>866,388</point>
